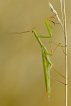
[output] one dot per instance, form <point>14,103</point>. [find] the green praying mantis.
<point>47,64</point>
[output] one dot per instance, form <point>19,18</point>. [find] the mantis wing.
<point>47,66</point>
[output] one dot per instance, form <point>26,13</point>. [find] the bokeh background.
<point>21,69</point>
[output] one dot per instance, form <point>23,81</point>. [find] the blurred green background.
<point>21,69</point>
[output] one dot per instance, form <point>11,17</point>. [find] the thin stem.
<point>66,63</point>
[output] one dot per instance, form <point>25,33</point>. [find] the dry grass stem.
<point>55,12</point>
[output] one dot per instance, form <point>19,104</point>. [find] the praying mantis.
<point>47,64</point>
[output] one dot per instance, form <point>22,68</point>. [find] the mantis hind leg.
<point>58,72</point>
<point>58,80</point>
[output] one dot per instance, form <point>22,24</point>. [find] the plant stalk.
<point>66,59</point>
